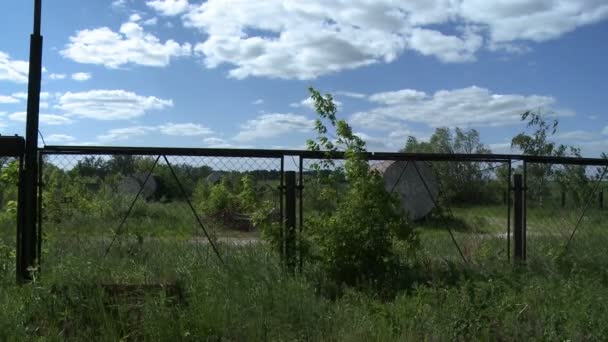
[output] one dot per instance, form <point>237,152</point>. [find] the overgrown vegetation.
<point>368,273</point>
<point>355,242</point>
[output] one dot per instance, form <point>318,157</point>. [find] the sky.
<point>235,73</point>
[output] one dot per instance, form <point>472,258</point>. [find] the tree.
<point>462,182</point>
<point>92,167</point>
<point>538,142</point>
<point>354,243</point>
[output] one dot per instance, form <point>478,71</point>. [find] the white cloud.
<point>119,3</point>
<point>350,94</point>
<point>605,131</point>
<point>504,147</point>
<point>577,135</point>
<point>20,95</point>
<point>594,148</point>
<point>23,95</point>
<point>392,142</point>
<point>184,129</point>
<point>81,76</point>
<point>308,39</point>
<point>135,17</point>
<point>119,134</point>
<point>465,107</point>
<point>216,142</point>
<point>512,48</point>
<point>396,97</point>
<point>258,102</point>
<point>57,76</point>
<point>13,70</point>
<point>129,46</point>
<point>168,7</point>
<point>272,125</point>
<point>538,20</point>
<point>447,48</point>
<point>60,138</point>
<point>150,22</point>
<point>8,99</point>
<point>309,103</point>
<point>109,104</point>
<point>45,119</point>
<point>172,129</point>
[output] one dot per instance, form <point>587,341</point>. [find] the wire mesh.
<point>135,210</point>
<point>461,208</point>
<point>121,207</point>
<point>565,214</point>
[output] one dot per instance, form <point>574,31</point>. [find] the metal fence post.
<point>519,231</point>
<point>290,220</point>
<point>509,189</point>
<point>282,209</point>
<point>27,184</point>
<point>301,214</point>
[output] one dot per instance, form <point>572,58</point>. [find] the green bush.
<point>354,244</point>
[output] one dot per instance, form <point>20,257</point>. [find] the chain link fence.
<point>459,209</point>
<point>566,217</point>
<point>141,209</point>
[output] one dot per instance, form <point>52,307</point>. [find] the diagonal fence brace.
<point>428,190</point>
<point>587,205</point>
<point>198,219</point>
<point>124,219</point>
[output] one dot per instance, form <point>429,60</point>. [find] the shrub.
<point>354,243</point>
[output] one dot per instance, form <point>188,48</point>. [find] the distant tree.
<point>462,182</point>
<point>571,178</point>
<point>92,167</point>
<point>122,164</point>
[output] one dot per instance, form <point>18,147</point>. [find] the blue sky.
<point>234,73</point>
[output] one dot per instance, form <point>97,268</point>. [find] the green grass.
<point>557,295</point>
<point>251,298</point>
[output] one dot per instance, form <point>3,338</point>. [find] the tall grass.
<point>558,295</point>
<point>250,298</point>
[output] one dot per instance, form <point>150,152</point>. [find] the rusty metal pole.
<point>28,259</point>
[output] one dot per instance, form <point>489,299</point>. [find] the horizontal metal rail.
<point>263,153</point>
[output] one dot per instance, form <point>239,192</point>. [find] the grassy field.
<point>160,282</point>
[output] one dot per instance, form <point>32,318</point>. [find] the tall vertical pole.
<point>28,187</point>
<point>519,235</point>
<point>281,209</point>
<point>301,208</point>
<point>525,211</point>
<point>509,189</point>
<point>290,220</point>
